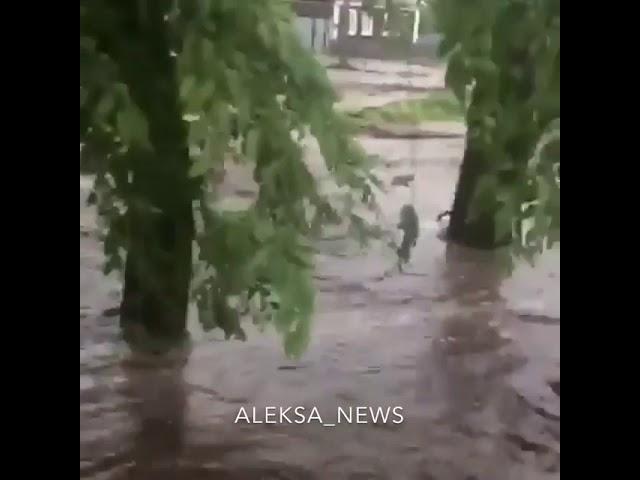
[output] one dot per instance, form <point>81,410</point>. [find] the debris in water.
<point>291,367</point>
<point>372,370</point>
<point>539,319</point>
<point>403,180</point>
<point>111,312</point>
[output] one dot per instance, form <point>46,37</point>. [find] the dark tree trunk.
<point>313,34</point>
<point>161,231</point>
<point>157,276</point>
<point>479,232</point>
<point>343,36</point>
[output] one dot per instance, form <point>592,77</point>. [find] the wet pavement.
<point>472,358</point>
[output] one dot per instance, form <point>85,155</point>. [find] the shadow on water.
<point>159,403</point>
<point>152,396</point>
<point>155,446</point>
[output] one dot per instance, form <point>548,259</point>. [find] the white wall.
<point>323,27</point>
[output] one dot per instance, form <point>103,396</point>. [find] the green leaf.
<point>483,67</point>
<point>297,259</point>
<point>105,105</point>
<point>244,112</point>
<point>296,342</point>
<point>251,145</point>
<point>446,46</point>
<point>187,86</point>
<point>504,221</point>
<point>132,127</point>
<point>198,131</point>
<point>84,95</point>
<point>457,77</point>
<point>199,167</point>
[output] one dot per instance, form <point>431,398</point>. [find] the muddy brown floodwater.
<point>472,358</point>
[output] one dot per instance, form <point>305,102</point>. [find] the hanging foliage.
<point>250,93</point>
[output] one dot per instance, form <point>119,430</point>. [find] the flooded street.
<point>470,357</point>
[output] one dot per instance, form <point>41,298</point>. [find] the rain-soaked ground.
<point>472,359</point>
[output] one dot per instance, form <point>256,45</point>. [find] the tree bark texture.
<point>480,232</point>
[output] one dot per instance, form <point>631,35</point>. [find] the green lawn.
<point>437,106</point>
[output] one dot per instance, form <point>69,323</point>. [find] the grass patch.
<point>438,106</point>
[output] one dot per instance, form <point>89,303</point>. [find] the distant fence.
<point>314,33</point>
<point>353,31</point>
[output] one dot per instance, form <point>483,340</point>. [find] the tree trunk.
<point>480,232</point>
<point>157,276</point>
<point>313,34</point>
<point>344,21</point>
<point>161,230</point>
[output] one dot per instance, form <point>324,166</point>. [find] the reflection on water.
<point>445,347</point>
<point>159,402</point>
<point>473,356</point>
